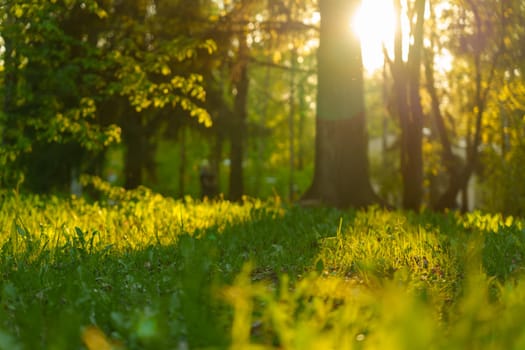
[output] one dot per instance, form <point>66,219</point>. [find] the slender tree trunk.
<point>259,162</point>
<point>238,129</point>
<point>409,109</point>
<point>384,121</point>
<point>452,166</point>
<point>132,138</point>
<point>139,162</point>
<point>183,160</point>
<point>447,155</point>
<point>216,161</point>
<point>10,57</point>
<point>460,182</point>
<point>401,108</point>
<point>341,175</point>
<point>291,126</point>
<point>300,127</point>
<point>10,77</point>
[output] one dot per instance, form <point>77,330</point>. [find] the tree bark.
<point>238,127</point>
<point>134,141</point>
<point>409,109</point>
<point>182,161</point>
<point>291,127</point>
<point>341,175</point>
<point>9,139</point>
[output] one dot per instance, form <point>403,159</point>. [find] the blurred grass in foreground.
<point>140,271</point>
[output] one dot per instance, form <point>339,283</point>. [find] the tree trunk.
<point>261,141</point>
<point>216,158</point>
<point>238,127</point>
<point>482,88</point>
<point>10,77</point>
<point>134,141</point>
<point>341,175</point>
<point>183,161</point>
<point>291,126</point>
<point>301,125</point>
<point>450,161</point>
<point>409,110</point>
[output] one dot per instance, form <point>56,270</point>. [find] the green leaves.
<point>17,10</point>
<point>67,65</point>
<point>150,84</point>
<point>48,100</point>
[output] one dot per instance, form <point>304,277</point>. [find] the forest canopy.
<point>221,98</point>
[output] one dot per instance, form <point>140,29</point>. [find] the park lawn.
<point>140,271</point>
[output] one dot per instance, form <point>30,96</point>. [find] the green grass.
<point>140,271</point>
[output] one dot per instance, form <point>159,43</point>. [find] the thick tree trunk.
<point>341,174</point>
<point>341,165</point>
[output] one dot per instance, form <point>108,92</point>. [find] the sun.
<point>375,24</point>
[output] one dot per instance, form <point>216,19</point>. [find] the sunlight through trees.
<point>145,92</point>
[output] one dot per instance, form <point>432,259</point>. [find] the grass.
<point>140,271</point>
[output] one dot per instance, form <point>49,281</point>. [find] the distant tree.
<point>407,107</point>
<point>53,82</point>
<point>155,47</point>
<point>239,84</point>
<point>341,176</point>
<point>251,35</point>
<point>81,72</point>
<point>478,37</point>
<point>489,51</point>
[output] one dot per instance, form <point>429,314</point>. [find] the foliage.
<point>43,64</point>
<point>503,189</point>
<point>139,270</point>
<point>78,76</point>
<point>73,71</point>
<point>501,176</point>
<point>477,93</point>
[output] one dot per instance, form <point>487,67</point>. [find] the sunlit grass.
<point>140,271</point>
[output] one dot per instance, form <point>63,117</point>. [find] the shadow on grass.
<point>158,297</point>
<point>171,295</point>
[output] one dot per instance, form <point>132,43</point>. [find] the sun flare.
<point>375,24</point>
